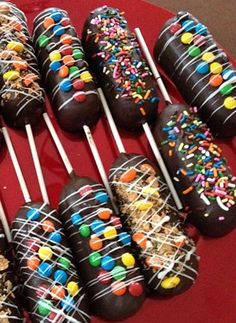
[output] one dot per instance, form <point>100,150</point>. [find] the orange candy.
<point>140,239</point>
<point>66,39</point>
<point>68,60</point>
<point>58,292</point>
<point>19,63</point>
<point>118,288</point>
<point>128,176</point>
<point>29,79</point>
<point>104,214</point>
<point>33,263</point>
<point>48,22</point>
<point>63,71</point>
<point>48,226</point>
<point>15,25</point>
<point>95,243</point>
<point>216,80</point>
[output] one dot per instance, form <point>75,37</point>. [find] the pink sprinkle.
<point>221,218</point>
<point>176,129</point>
<point>198,178</point>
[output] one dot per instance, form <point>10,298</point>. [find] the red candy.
<point>65,22</point>
<point>115,221</point>
<point>33,244</point>
<point>135,289</point>
<point>199,40</point>
<point>78,84</point>
<point>174,28</point>
<point>66,50</point>
<point>104,277</point>
<point>79,97</point>
<point>42,291</point>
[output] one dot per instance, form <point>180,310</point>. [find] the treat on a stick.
<point>166,253</point>
<point>21,96</point>
<point>51,286</point>
<point>100,245</point>
<point>115,56</point>
<point>69,84</point>
<point>201,175</point>
<point>201,71</point>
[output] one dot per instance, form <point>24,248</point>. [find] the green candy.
<point>64,262</point>
<point>44,307</point>
<point>78,54</point>
<point>118,273</point>
<point>95,259</point>
<point>43,41</point>
<point>227,89</point>
<point>84,230</point>
<point>74,72</point>
<point>194,51</point>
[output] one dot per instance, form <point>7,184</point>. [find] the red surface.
<point>213,298</point>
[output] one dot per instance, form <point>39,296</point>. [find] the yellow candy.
<point>208,57</point>
<point>143,205</point>
<point>187,38</point>
<point>216,68</point>
<point>72,288</point>
<point>170,282</point>
<point>128,260</point>
<point>230,103</point>
<point>45,253</point>
<point>55,56</point>
<point>110,232</point>
<point>11,75</point>
<point>86,77</point>
<point>151,191</point>
<point>16,46</point>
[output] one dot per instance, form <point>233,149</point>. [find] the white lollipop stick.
<point>37,165</point>
<point>99,164</point>
<point>152,65</point>
<point>16,165</point>
<point>5,224</point>
<point>111,122</point>
<point>58,144</point>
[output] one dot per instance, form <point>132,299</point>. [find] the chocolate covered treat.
<point>21,96</point>
<point>201,71</point>
<point>51,286</point>
<point>167,255</point>
<point>102,249</point>
<point>68,81</point>
<point>122,72</point>
<point>200,173</point>
<point>9,310</point>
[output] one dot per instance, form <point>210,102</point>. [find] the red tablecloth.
<point>213,298</point>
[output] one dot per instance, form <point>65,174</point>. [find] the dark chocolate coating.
<point>211,220</point>
<point>124,108</point>
<point>173,57</point>
<point>20,104</point>
<point>29,236</point>
<point>9,309</point>
<point>103,302</point>
<point>160,225</point>
<point>71,115</point>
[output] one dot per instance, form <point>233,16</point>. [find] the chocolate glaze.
<point>20,104</point>
<point>9,310</point>
<point>212,219</point>
<point>29,235</point>
<point>164,250</point>
<point>173,57</point>
<point>71,115</point>
<point>79,197</point>
<point>124,107</point>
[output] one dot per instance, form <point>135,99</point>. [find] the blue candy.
<point>60,276</point>
<point>56,16</point>
<point>55,66</point>
<point>33,214</point>
<point>228,74</point>
<point>76,219</point>
<point>98,226</point>
<point>203,68</point>
<point>108,263</point>
<point>65,85</point>
<point>55,237</point>
<point>58,30</point>
<point>125,238</point>
<point>68,303</point>
<point>201,29</point>
<point>102,197</point>
<point>45,269</point>
<point>188,25</point>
